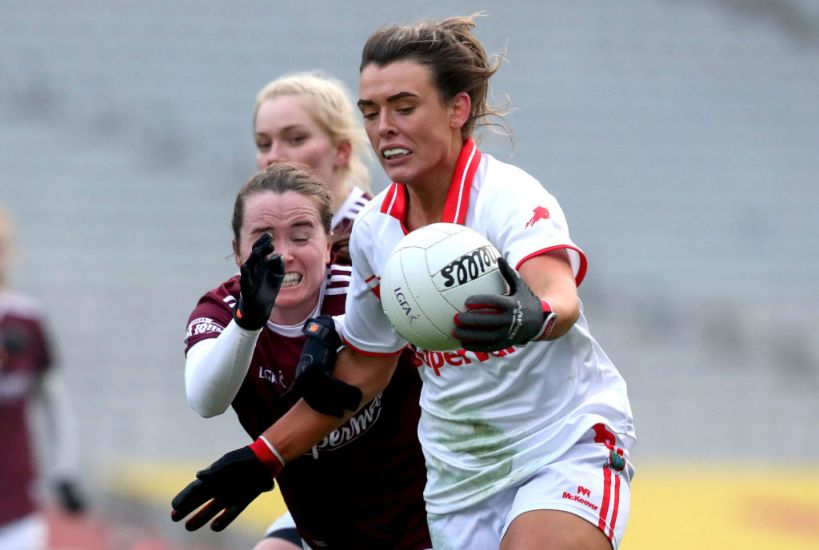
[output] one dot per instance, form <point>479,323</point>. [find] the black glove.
<point>260,282</point>
<point>228,486</point>
<point>496,321</point>
<point>314,381</point>
<point>69,496</point>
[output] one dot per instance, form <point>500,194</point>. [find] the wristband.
<point>549,320</point>
<point>268,454</point>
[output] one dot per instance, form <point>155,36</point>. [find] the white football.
<point>428,277</point>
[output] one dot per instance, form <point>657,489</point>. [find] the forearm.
<point>303,427</point>
<point>60,426</point>
<point>215,369</point>
<point>563,300</point>
<point>550,277</point>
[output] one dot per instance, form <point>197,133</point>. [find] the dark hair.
<point>281,177</point>
<point>454,55</point>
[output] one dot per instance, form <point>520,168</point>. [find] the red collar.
<point>457,200</point>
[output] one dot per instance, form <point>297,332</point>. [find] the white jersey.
<point>489,420</point>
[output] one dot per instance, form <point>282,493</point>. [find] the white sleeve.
<point>58,417</point>
<point>365,326</point>
<point>525,220</point>
<point>215,369</point>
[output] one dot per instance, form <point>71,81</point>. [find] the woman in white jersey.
<point>526,432</point>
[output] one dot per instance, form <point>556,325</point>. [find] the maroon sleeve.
<point>212,313</point>
<point>42,350</point>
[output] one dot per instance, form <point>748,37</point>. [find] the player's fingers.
<point>471,339</point>
<point>261,248</point>
<point>226,517</point>
<point>264,245</point>
<point>204,515</point>
<point>509,274</point>
<point>482,347</point>
<point>275,265</point>
<point>480,319</point>
<point>274,275</point>
<point>189,499</point>
<point>486,301</point>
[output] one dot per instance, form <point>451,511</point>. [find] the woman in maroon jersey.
<point>307,117</point>
<point>28,378</point>
<point>361,487</point>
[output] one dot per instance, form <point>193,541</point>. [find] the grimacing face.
<point>298,235</point>
<point>284,130</point>
<point>415,135</point>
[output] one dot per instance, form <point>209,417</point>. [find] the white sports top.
<point>489,420</point>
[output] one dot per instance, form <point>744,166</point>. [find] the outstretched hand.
<point>496,321</point>
<point>261,279</point>
<point>69,496</point>
<point>225,488</point>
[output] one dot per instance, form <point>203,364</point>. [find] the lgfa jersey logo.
<point>538,213</point>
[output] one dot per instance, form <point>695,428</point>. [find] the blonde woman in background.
<point>308,118</point>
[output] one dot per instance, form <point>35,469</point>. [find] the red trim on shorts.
<point>603,436</point>
<point>604,507</point>
<point>581,271</point>
<point>616,505</point>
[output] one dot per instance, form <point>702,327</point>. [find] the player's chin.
<point>398,170</point>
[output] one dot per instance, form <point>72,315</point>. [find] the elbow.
<point>204,407</point>
<point>566,318</point>
<point>573,315</point>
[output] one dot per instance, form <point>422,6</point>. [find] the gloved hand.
<point>69,496</point>
<point>496,321</point>
<point>228,486</point>
<point>314,381</point>
<point>260,283</point>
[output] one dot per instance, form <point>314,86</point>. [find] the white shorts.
<point>591,480</point>
<point>27,533</point>
<point>285,528</point>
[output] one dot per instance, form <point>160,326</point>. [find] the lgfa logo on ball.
<point>428,277</point>
<point>401,298</point>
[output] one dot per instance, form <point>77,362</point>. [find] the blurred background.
<point>681,138</point>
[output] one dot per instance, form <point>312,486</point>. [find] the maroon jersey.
<point>362,486</point>
<point>24,356</point>
<point>343,218</point>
